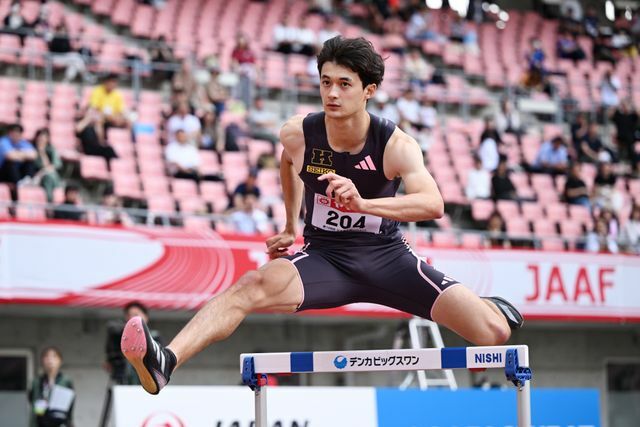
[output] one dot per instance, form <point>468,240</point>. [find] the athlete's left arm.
<point>422,201</point>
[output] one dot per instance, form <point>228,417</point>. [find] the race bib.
<point>328,216</point>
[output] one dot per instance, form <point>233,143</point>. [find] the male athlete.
<point>350,164</point>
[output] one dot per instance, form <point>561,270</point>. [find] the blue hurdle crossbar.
<point>514,360</point>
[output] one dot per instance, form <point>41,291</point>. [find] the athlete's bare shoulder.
<point>401,152</point>
<point>291,133</point>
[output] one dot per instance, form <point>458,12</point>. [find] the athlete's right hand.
<point>278,245</point>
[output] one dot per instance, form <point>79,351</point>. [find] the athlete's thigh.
<point>324,284</point>
<point>275,286</point>
<point>407,283</point>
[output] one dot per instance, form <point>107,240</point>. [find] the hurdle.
<point>514,360</point>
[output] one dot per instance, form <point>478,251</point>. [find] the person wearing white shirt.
<point>183,157</point>
<point>488,153</point>
<point>428,114</point>
<point>478,181</point>
<point>609,90</point>
<point>382,108</point>
<point>250,219</point>
<point>330,30</point>
<point>409,108</point>
<point>630,234</point>
<point>183,120</point>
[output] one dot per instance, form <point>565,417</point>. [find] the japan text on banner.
<point>170,268</point>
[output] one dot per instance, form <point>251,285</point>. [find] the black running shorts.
<point>390,274</point>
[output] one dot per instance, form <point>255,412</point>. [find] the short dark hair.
<point>70,188</point>
<point>138,305</point>
<point>15,127</point>
<point>48,349</point>
<point>110,76</point>
<point>356,54</point>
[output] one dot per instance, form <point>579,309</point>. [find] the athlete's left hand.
<point>343,191</point>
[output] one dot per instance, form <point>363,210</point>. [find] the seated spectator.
<point>69,209</point>
<point>575,189</point>
<point>381,107</point>
<point>248,187</point>
<point>590,145</point>
<point>625,118</point>
<point>108,101</point>
<point>478,181</point>
<point>40,393</point>
<point>591,22</point>
<point>502,187</point>
<point>160,52</point>
<point>113,214</point>
<point>460,32</point>
<point>571,15</point>
<point>552,158</point>
<point>567,47</point>
<point>15,23</point>
<point>263,123</point>
<point>579,128</point>
<point>243,63</point>
<point>63,54</point>
<point>507,118</point>
<point>417,70</point>
<point>630,234</point>
<point>420,28</point>
<point>331,29</point>
<point>88,130</point>
<point>216,94</point>
<point>488,149</point>
<point>602,50</point>
<point>604,193</point>
<point>211,137</point>
<point>496,230</point>
<point>183,120</point>
<point>609,91</point>
<point>248,218</point>
<point>48,163</point>
<point>17,156</point>
<point>184,81</point>
<point>409,109</point>
<point>428,113</point>
<point>183,158</point>
<point>284,35</point>
<point>536,71</point>
<point>599,240</point>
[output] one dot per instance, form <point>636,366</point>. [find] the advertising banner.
<point>170,268</point>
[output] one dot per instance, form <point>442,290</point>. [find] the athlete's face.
<point>342,92</point>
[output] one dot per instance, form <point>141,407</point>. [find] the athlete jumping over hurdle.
<point>350,164</point>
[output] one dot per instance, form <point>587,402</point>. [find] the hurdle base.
<point>257,383</point>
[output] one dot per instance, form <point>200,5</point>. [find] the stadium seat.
<point>445,239</point>
<point>532,211</point>
<point>184,188</point>
<point>194,223</point>
<point>544,227</point>
<point>556,211</point>
<point>192,205</point>
<point>94,168</point>
<point>161,204</point>
<point>481,209</point>
<point>517,226</point>
<point>216,194</point>
<point>127,186</point>
<point>553,245</point>
<point>471,240</point>
<point>31,194</point>
<point>155,186</point>
<point>570,229</point>
<point>507,208</point>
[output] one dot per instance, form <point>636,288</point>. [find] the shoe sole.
<point>134,347</point>
<point>517,314</point>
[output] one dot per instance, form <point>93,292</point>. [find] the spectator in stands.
<point>183,120</point>
<point>626,120</point>
<point>419,27</point>
<point>571,15</point>
<point>536,70</point>
<point>48,163</point>
<point>41,26</point>
<point>552,158</point>
<point>183,158</point>
<point>331,29</point>
<point>161,52</point>
<point>121,372</point>
<point>248,218</point>
<point>108,101</point>
<point>609,87</point>
<point>502,187</point>
<point>41,415</point>
<point>211,137</point>
<point>263,123</point>
<point>478,181</point>
<point>381,107</point>
<point>184,82</point>
<point>17,156</point>
<point>15,23</point>
<point>507,118</point>
<point>567,47</point>
<point>590,144</point>
<point>294,39</point>
<point>599,240</point>
<point>113,213</point>
<point>604,193</point>
<point>216,94</point>
<point>428,113</point>
<point>630,234</point>
<point>610,217</point>
<point>488,150</point>
<point>248,187</point>
<point>417,70</point>
<point>460,32</point>
<point>284,35</point>
<point>63,54</point>
<point>602,50</point>
<point>575,189</point>
<point>244,64</point>
<point>496,230</point>
<point>69,209</point>
<point>409,108</point>
<point>591,22</point>
<point>90,131</point>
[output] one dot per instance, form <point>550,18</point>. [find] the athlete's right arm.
<point>292,139</point>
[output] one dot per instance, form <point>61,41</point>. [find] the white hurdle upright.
<point>513,359</point>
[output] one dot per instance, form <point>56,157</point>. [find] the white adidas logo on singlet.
<point>366,164</point>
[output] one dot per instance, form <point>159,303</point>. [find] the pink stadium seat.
<point>570,229</point>
<point>508,208</point>
<point>123,167</point>
<point>257,148</point>
<point>155,185</point>
<point>192,205</point>
<point>216,194</point>
<point>517,226</point>
<point>194,223</point>
<point>532,211</point>
<point>553,245</point>
<point>209,164</point>
<point>444,239</point>
<point>94,167</point>
<point>580,214</point>
<point>31,194</point>
<point>127,186</point>
<point>30,213</point>
<point>184,188</point>
<point>161,204</point>
<point>10,48</point>
<point>5,193</point>
<point>556,211</point>
<point>544,227</point>
<point>481,209</point>
<point>471,241</point>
